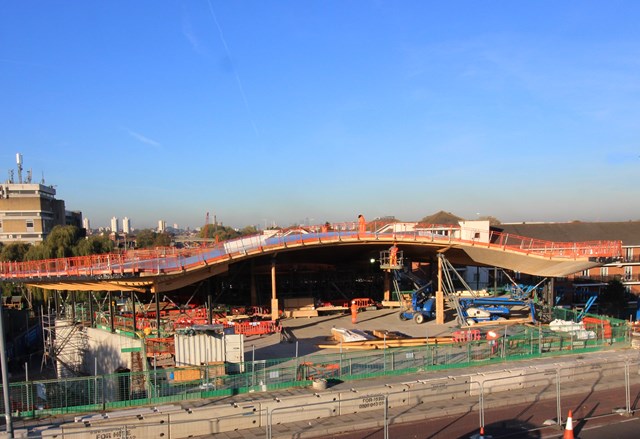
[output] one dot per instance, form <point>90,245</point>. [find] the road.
<point>593,418</point>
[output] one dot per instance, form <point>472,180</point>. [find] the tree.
<point>94,245</point>
<point>14,251</point>
<point>147,238</point>
<point>60,242</point>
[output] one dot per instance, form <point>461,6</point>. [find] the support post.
<point>5,377</point>
<point>133,311</point>
<point>91,316</point>
<point>73,306</point>
<point>439,296</point>
<point>209,302</point>
<point>158,313</point>
<point>387,286</point>
<point>112,311</point>
<point>274,298</point>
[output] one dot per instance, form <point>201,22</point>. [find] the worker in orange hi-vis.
<point>354,312</point>
<point>492,336</point>
<point>362,224</point>
<point>393,255</point>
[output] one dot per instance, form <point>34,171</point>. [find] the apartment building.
<point>626,270</point>
<point>29,211</point>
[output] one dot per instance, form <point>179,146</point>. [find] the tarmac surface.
<point>312,331</point>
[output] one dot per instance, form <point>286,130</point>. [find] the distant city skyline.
<point>285,112</point>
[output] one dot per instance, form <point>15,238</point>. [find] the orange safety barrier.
<point>593,323</point>
<point>170,260</point>
<point>257,328</point>
<point>464,336</point>
<point>363,302</point>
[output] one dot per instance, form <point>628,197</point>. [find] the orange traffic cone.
<point>568,429</point>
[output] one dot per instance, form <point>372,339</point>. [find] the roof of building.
<point>441,217</point>
<point>628,232</point>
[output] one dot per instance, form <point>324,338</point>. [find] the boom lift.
<point>423,304</point>
<point>473,309</point>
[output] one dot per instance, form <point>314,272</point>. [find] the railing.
<point>86,394</point>
<point>171,260</point>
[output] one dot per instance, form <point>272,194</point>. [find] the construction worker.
<point>362,224</point>
<point>354,312</point>
<point>492,336</point>
<point>393,255</point>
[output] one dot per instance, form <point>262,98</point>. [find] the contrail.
<point>233,67</point>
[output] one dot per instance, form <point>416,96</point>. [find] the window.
<point>628,254</point>
<point>0,226</point>
<point>476,235</point>
<point>29,225</point>
<point>628,272</point>
<point>604,271</point>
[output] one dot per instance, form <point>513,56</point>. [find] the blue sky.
<point>282,111</point>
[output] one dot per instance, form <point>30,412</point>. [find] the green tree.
<point>14,251</point>
<point>145,238</point>
<point>93,245</point>
<point>163,240</point>
<point>61,241</point>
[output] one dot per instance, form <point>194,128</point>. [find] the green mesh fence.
<point>130,389</point>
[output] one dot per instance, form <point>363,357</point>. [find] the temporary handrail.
<point>172,260</point>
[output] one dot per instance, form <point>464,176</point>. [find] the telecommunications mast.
<point>19,162</point>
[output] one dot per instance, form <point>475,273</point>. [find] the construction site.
<point>294,309</point>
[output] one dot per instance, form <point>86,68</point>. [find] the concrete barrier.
<point>300,408</point>
<point>373,398</point>
<point>141,427</point>
<point>439,390</point>
<point>214,419</point>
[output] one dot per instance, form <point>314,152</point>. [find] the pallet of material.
<point>505,322</point>
<point>389,335</point>
<point>332,309</point>
<point>349,335</point>
<point>295,313</point>
<point>382,344</point>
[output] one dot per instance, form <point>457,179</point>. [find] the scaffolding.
<point>64,341</point>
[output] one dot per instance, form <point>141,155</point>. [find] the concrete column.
<point>274,298</point>
<point>387,286</point>
<point>439,296</point>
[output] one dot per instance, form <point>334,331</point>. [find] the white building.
<point>86,224</point>
<point>114,224</point>
<point>126,225</point>
<point>162,226</point>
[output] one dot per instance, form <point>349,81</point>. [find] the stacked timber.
<point>300,307</point>
<point>385,343</point>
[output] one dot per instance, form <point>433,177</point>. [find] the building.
<point>162,226</point>
<point>114,224</point>
<point>29,211</point>
<point>626,270</point>
<point>86,224</point>
<point>126,225</point>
